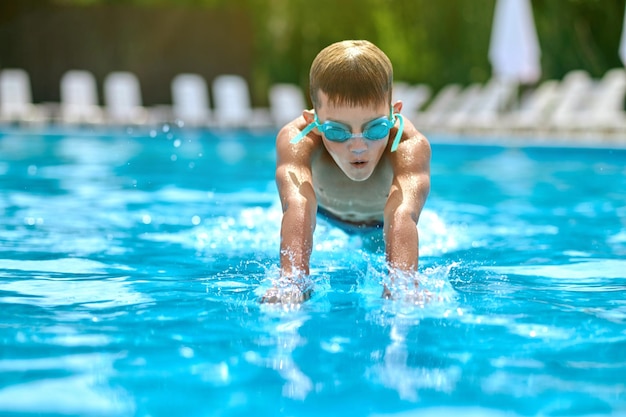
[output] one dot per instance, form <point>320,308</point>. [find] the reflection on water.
<point>396,371</point>
<point>54,286</point>
<point>286,339</point>
<point>86,393</point>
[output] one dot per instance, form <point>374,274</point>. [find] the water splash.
<point>285,290</point>
<point>427,290</point>
<point>437,237</point>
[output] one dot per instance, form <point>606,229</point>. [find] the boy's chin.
<point>357,174</point>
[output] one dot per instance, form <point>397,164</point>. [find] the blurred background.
<point>274,41</point>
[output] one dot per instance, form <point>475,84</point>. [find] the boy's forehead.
<point>335,103</point>
<point>351,115</point>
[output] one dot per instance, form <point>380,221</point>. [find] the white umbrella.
<point>622,44</point>
<point>514,49</point>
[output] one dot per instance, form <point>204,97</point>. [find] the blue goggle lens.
<point>375,130</point>
<point>335,133</point>
<point>378,129</point>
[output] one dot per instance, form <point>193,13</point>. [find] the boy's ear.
<point>309,116</point>
<point>397,107</point>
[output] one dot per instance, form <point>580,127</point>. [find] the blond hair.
<point>353,73</point>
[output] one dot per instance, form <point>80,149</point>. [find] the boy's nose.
<point>357,145</point>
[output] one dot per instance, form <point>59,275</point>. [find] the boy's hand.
<point>408,292</point>
<point>286,295</point>
<point>386,293</point>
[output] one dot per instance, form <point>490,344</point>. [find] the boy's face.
<point>357,157</point>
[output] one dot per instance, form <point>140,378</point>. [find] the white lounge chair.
<point>16,103</point>
<point>435,114</point>
<point>466,104</point>
<point>604,109</point>
<point>534,109</point>
<point>122,97</point>
<point>233,108</point>
<point>413,97</point>
<point>498,97</point>
<point>460,110</point>
<point>286,103</point>
<point>574,92</point>
<point>478,106</point>
<point>79,98</point>
<point>190,99</point>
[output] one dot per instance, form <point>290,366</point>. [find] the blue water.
<point>131,263</point>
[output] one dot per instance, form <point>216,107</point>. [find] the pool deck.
<point>588,138</point>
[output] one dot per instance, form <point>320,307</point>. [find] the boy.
<point>353,159</point>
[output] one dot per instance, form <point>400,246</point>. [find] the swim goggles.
<point>376,129</point>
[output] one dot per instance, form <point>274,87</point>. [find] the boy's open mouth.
<point>359,163</point>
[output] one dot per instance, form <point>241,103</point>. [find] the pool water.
<point>132,262</point>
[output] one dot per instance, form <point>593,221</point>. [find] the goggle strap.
<point>396,140</point>
<point>304,132</point>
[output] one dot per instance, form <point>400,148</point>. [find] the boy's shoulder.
<point>304,149</point>
<point>412,139</point>
<point>413,155</point>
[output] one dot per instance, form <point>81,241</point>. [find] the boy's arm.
<point>295,187</point>
<point>408,193</point>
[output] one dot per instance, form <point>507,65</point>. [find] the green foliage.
<point>427,41</point>
<point>430,41</point>
<point>579,34</point>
